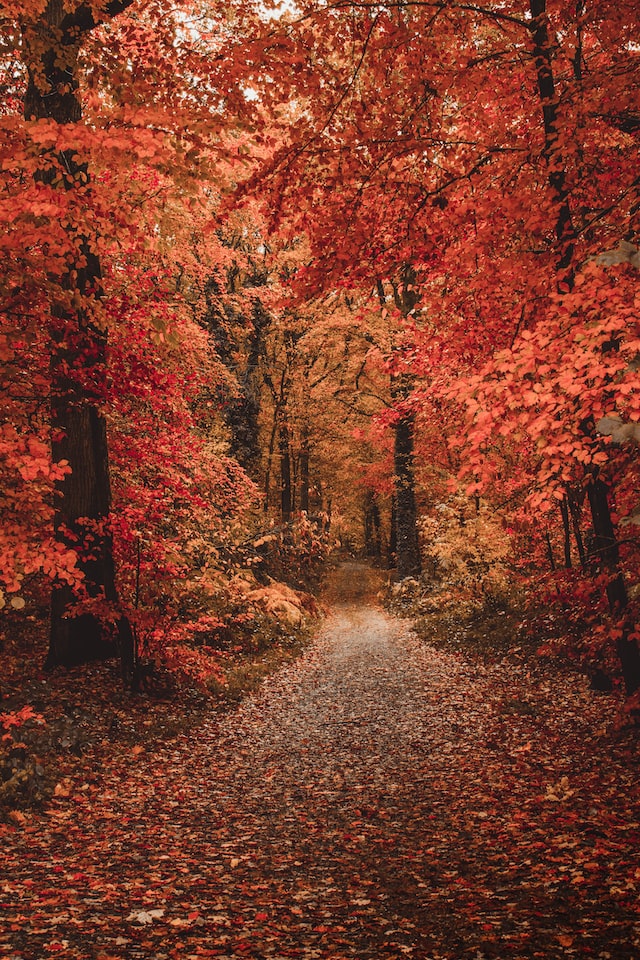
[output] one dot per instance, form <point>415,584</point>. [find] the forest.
<point>291,285</point>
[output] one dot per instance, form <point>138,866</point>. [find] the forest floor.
<point>378,798</point>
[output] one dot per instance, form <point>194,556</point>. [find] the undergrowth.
<point>451,620</point>
<point>80,716</point>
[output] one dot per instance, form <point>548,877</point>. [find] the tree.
<point>406,542</point>
<point>93,169</point>
<point>480,145</point>
<point>52,44</point>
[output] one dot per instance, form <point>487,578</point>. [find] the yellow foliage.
<point>468,545</point>
<point>276,599</point>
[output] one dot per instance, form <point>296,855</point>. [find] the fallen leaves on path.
<point>377,799</point>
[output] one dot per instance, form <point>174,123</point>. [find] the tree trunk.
<point>557,175</point>
<point>372,537</point>
<point>566,530</point>
<point>304,470</point>
<point>368,536</point>
<point>284,450</point>
<point>574,510</point>
<point>377,534</point>
<point>78,361</point>
<point>407,545</point>
<point>250,384</point>
<point>552,562</point>
<point>608,559</point>
<point>605,544</point>
<point>392,533</point>
<point>606,547</point>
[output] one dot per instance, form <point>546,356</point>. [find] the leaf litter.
<point>378,798</point>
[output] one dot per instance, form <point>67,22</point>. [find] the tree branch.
<point>84,19</point>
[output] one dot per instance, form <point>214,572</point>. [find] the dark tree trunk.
<point>80,437</point>
<point>377,531</point>
<point>606,547</point>
<point>557,176</point>
<point>404,538</point>
<point>608,558</point>
<point>250,452</point>
<point>368,537</point>
<point>407,545</point>
<point>552,562</point>
<point>372,538</point>
<point>605,544</point>
<point>304,470</point>
<point>270,455</point>
<point>78,360</point>
<point>286,491</point>
<point>392,533</point>
<point>574,510</point>
<point>566,530</point>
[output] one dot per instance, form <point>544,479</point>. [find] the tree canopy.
<point>276,277</point>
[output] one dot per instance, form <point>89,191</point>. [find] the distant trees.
<point>494,149</point>
<point>398,246</point>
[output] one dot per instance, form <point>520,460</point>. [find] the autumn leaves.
<point>371,288</point>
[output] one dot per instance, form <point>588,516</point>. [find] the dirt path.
<point>378,799</point>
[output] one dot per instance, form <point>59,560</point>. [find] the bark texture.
<point>78,357</point>
<point>606,547</point>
